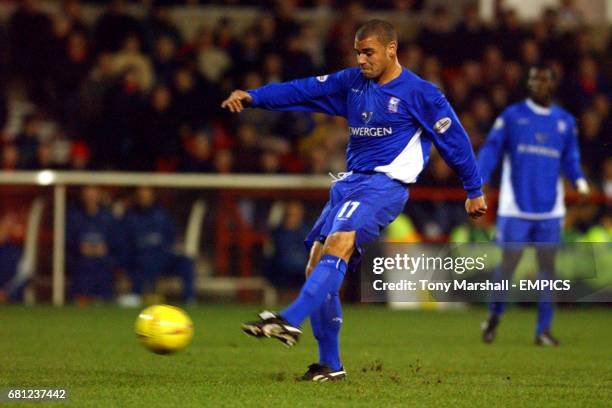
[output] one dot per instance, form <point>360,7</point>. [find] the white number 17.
<point>352,204</point>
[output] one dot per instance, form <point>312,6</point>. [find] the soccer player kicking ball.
<point>537,140</point>
<point>393,118</point>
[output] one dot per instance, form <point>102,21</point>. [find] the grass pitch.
<point>393,359</point>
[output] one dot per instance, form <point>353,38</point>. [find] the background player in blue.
<point>393,118</point>
<point>537,140</point>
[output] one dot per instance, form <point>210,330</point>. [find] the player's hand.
<point>582,186</point>
<point>476,207</point>
<point>236,101</point>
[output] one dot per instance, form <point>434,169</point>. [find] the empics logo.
<point>442,125</point>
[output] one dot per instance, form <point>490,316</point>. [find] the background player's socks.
<point>545,306</point>
<point>326,277</point>
<point>326,322</point>
<point>497,305</point>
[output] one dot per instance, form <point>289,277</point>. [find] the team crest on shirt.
<point>393,104</point>
<point>541,137</point>
<point>366,116</point>
<point>561,126</point>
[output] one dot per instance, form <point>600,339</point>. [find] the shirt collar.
<point>539,109</point>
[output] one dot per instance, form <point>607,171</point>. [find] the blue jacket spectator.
<point>151,238</point>
<point>286,266</point>
<point>93,247</point>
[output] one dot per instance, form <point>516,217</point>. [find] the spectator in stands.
<point>312,45</point>
<point>79,156</point>
<point>273,70</point>
<point>123,124</point>
<point>248,151</point>
<point>67,74</point>
<point>509,35</point>
<point>159,24</point>
<point>71,9</point>
<point>151,236</point>
<point>131,57</point>
<point>190,98</point>
<point>44,156</point>
<point>591,139</point>
<point>165,59</point>
<point>285,23</point>
<point>93,245</point>
<point>198,154</point>
<point>587,83</point>
<point>472,31</point>
<point>114,26</point>
<point>10,157</point>
<point>224,161</point>
<point>288,255</point>
<point>297,63</point>
<point>11,288</point>
<point>160,139</point>
<point>29,35</point>
<point>438,36</point>
<point>270,163</point>
<point>27,142</point>
<point>436,218</point>
<point>212,61</point>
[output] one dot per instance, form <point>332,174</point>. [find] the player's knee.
<point>309,269</point>
<point>340,244</point>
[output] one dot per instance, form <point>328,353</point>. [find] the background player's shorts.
<point>512,230</point>
<point>365,203</point>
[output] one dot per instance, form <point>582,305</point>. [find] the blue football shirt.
<point>536,144</point>
<point>391,126</point>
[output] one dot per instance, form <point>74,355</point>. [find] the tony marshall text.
<point>487,285</point>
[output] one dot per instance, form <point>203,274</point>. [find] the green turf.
<point>421,359</point>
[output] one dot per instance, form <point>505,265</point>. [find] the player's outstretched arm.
<point>237,100</point>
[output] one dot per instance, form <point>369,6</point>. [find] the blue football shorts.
<point>362,202</point>
<point>516,231</point>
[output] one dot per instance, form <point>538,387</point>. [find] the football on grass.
<point>164,329</point>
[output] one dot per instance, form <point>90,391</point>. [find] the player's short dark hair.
<point>543,67</point>
<point>381,29</point>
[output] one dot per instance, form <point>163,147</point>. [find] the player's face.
<point>373,57</point>
<point>541,85</point>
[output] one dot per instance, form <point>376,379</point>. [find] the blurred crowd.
<point>136,93</point>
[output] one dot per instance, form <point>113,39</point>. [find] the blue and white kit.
<point>391,128</point>
<point>537,144</point>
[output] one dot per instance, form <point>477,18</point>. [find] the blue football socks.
<point>545,306</point>
<point>326,322</point>
<point>498,298</point>
<point>326,278</point>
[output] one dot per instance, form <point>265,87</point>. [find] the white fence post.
<point>59,232</point>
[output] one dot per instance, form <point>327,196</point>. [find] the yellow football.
<point>164,329</point>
